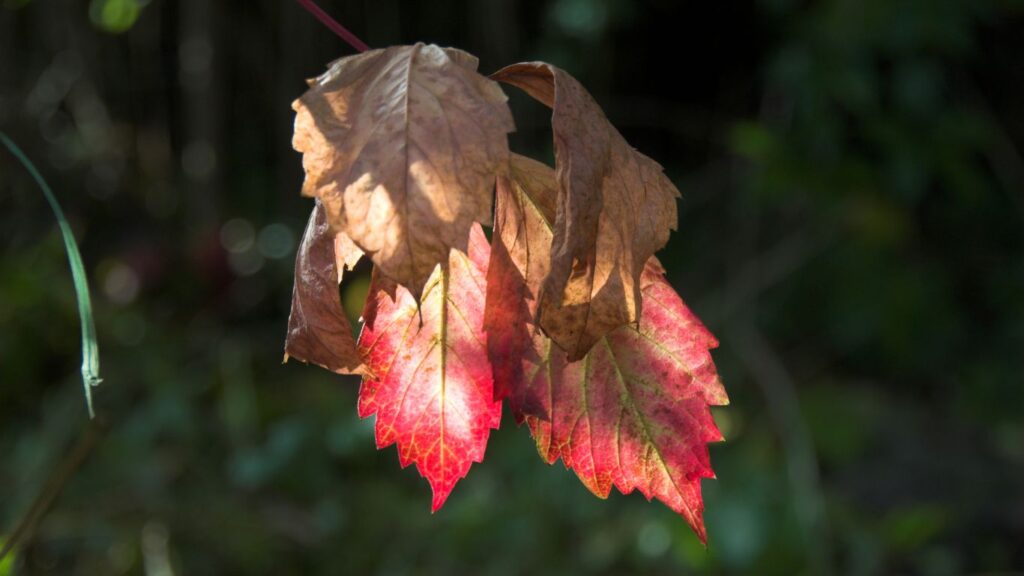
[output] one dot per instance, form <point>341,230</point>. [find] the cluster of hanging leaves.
<point>565,314</point>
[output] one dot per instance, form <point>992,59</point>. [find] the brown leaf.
<point>615,210</point>
<point>318,330</point>
<point>402,145</point>
<point>346,253</point>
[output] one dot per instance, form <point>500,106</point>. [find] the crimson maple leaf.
<point>633,412</point>
<point>432,391</point>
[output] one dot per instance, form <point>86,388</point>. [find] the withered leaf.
<point>615,209</point>
<point>346,253</point>
<point>318,330</point>
<point>402,145</point>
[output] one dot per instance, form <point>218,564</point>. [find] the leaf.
<point>433,391</point>
<point>90,348</point>
<point>520,257</point>
<point>634,411</point>
<point>318,330</point>
<point>615,209</point>
<point>346,253</point>
<point>402,145</point>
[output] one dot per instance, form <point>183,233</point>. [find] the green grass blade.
<point>90,349</point>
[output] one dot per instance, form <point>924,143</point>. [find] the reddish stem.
<point>331,23</point>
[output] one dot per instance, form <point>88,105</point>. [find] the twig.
<point>54,486</point>
<point>333,25</point>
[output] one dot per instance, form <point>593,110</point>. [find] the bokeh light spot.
<point>653,539</point>
<point>199,160</point>
<point>237,235</point>
<point>120,282</point>
<point>276,241</point>
<point>114,16</point>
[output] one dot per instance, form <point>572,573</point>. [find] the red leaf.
<point>433,391</point>
<point>634,411</point>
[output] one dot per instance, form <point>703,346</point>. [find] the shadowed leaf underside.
<point>318,330</point>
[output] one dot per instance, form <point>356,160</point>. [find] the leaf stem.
<point>90,348</point>
<point>333,25</point>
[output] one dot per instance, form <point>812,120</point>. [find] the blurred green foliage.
<point>114,16</point>
<point>852,229</point>
<point>7,564</point>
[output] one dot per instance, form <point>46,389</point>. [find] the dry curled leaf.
<point>402,145</point>
<point>318,330</point>
<point>614,211</point>
<point>433,391</point>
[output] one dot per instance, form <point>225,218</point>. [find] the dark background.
<point>851,228</point>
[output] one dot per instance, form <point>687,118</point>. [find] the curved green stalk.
<point>90,349</point>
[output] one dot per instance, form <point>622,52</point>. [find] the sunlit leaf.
<point>615,209</point>
<point>633,412</point>
<point>402,145</point>
<point>432,392</point>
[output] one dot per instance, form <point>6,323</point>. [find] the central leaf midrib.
<point>443,337</point>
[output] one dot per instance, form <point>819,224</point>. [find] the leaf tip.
<point>440,496</point>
